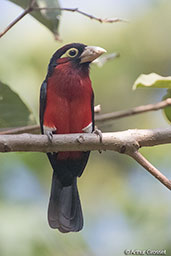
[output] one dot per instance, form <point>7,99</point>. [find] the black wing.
<point>43,93</point>
<point>92,110</point>
<point>85,155</point>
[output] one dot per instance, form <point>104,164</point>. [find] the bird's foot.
<point>98,133</point>
<point>50,136</point>
<point>48,131</point>
<point>80,139</point>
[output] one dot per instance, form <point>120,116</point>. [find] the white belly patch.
<point>88,128</point>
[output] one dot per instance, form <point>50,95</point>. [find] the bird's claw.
<point>50,136</point>
<point>98,133</point>
<point>80,139</point>
<point>49,132</point>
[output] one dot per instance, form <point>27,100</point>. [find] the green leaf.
<point>49,18</point>
<point>167,110</point>
<point>153,81</point>
<point>13,112</point>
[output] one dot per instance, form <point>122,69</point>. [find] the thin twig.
<point>24,13</point>
<point>97,109</point>
<point>31,8</point>
<point>14,22</point>
<point>34,129</point>
<point>133,111</point>
<point>137,156</point>
<point>106,20</point>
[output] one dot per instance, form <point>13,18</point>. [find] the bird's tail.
<point>64,210</point>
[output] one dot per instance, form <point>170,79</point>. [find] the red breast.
<point>68,105</point>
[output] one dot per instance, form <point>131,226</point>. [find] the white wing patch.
<point>88,128</point>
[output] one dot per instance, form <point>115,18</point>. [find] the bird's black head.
<point>76,53</point>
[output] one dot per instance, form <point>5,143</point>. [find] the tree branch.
<point>24,13</point>
<point>35,129</point>
<point>123,142</point>
<point>106,20</point>
<point>127,142</point>
<point>32,8</point>
<point>150,168</point>
<point>133,111</point>
<point>14,22</point>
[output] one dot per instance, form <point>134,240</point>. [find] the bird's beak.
<point>91,53</point>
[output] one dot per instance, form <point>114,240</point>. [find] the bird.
<point>66,107</point>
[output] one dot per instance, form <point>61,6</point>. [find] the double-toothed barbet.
<point>67,106</point>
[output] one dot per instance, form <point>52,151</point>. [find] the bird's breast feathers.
<point>68,102</point>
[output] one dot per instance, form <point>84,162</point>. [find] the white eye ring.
<point>72,52</point>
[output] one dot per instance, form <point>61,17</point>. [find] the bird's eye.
<point>72,52</point>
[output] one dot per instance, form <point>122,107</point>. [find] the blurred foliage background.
<point>124,207</point>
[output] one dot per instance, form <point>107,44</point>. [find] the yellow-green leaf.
<point>153,81</point>
<point>167,110</point>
